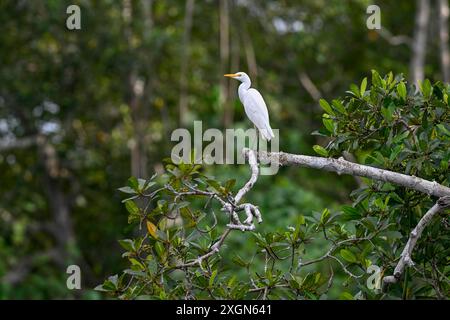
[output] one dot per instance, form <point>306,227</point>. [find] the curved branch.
<point>405,258</point>
<point>231,207</point>
<point>250,154</point>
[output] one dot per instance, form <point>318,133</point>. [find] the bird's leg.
<point>257,137</point>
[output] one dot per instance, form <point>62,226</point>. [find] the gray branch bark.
<point>341,166</point>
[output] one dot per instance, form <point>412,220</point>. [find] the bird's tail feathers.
<point>267,133</point>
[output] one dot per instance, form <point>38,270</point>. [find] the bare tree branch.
<point>329,255</point>
<point>309,85</point>
<point>350,157</point>
<point>328,164</point>
<point>254,176</point>
<point>394,40</point>
<point>341,166</point>
<point>405,258</point>
<point>231,207</point>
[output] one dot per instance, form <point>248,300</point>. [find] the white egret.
<point>254,105</point>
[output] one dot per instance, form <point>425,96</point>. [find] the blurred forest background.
<point>83,110</point>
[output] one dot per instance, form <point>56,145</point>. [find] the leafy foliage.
<point>179,229</point>
<point>73,88</point>
<point>384,125</point>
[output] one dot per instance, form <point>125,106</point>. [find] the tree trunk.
<point>249,53</point>
<point>224,25</point>
<point>136,88</point>
<point>419,41</point>
<point>443,39</point>
<point>234,65</point>
<point>183,102</point>
<point>58,201</point>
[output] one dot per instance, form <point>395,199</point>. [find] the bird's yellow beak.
<point>231,75</point>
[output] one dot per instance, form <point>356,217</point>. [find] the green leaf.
<point>137,265</point>
<point>355,90</point>
<point>229,184</point>
<point>390,77</point>
<point>133,183</point>
<point>376,79</point>
<point>426,88</point>
<point>401,90</point>
<point>320,150</point>
<point>216,185</point>
<point>127,244</point>
<point>239,261</point>
<point>301,220</point>
<point>127,190</point>
<point>182,204</point>
<point>325,216</point>
<point>325,106</point>
<point>401,137</point>
<point>337,104</point>
<point>350,213</point>
<point>131,207</point>
<point>443,129</point>
<point>388,111</point>
<point>102,288</point>
<point>328,123</point>
<point>212,278</point>
<point>363,87</point>
<point>395,152</point>
<point>346,296</point>
<point>159,247</point>
<point>348,255</point>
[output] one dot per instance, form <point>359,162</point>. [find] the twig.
<point>394,40</point>
<point>328,254</point>
<point>212,250</point>
<point>309,85</point>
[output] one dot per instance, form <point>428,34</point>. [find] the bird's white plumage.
<point>254,105</point>
<point>256,110</point>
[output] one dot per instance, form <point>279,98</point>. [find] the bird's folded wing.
<point>256,108</point>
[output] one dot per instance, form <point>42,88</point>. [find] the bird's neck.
<point>243,87</point>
